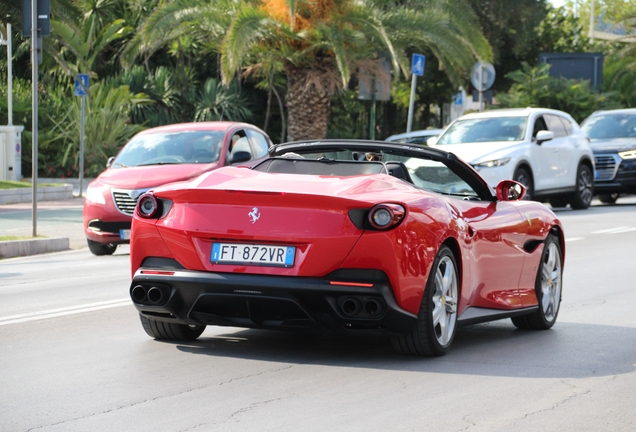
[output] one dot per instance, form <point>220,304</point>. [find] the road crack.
<point>134,404</point>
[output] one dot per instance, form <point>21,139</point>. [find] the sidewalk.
<point>59,221</point>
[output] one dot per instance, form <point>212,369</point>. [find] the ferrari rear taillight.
<point>386,216</point>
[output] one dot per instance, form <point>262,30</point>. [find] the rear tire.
<point>608,198</point>
<point>100,249</point>
<point>170,331</point>
<point>523,176</point>
<point>582,198</point>
<point>547,287</point>
<point>437,319</point>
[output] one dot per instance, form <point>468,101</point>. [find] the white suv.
<point>543,149</point>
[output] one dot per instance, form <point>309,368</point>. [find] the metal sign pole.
<point>81,158</point>
<point>592,22</point>
<point>417,68</point>
<point>9,75</point>
<point>409,123</point>
<point>34,107</point>
<point>481,87</point>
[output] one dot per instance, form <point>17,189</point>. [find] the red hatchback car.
<point>158,156</point>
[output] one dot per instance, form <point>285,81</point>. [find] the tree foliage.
<point>511,30</point>
<point>534,87</point>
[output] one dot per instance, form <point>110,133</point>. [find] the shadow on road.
<point>514,353</point>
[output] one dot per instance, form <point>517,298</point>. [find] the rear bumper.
<point>275,302</point>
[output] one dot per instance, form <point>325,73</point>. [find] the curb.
<point>16,248</point>
<point>45,193</point>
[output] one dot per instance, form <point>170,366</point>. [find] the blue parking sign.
<point>417,64</point>
<point>79,90</point>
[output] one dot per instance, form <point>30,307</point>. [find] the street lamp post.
<point>7,42</point>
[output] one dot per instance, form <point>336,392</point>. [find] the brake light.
<point>353,284</point>
<point>157,272</point>
<point>147,207</point>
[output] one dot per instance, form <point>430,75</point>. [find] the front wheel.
<point>100,249</point>
<point>170,331</point>
<point>584,193</point>
<point>437,319</point>
<point>523,176</point>
<point>547,287</point>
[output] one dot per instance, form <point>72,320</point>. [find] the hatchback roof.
<point>511,112</point>
<point>414,134</point>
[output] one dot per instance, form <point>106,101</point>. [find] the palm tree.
<point>200,23</point>
<point>318,44</point>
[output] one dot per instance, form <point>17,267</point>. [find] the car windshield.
<point>479,130</point>
<point>161,148</point>
<point>426,174</point>
<point>605,126</point>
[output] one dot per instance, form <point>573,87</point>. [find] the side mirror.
<point>510,190</point>
<point>240,156</point>
<point>543,136</point>
<point>431,141</point>
<point>110,161</point>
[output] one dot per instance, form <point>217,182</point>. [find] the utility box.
<point>11,152</point>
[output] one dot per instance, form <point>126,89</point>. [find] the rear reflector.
<point>157,272</point>
<point>355,284</point>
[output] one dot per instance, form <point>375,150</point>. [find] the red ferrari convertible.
<point>353,236</point>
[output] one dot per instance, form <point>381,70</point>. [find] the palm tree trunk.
<point>308,102</point>
<point>282,113</point>
<point>269,106</point>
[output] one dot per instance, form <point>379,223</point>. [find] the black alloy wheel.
<point>584,193</point>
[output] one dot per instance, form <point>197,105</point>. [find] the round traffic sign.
<point>487,76</point>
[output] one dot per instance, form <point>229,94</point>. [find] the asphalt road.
<point>73,357</point>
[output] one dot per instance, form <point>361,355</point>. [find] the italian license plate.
<point>124,234</point>
<point>253,254</point>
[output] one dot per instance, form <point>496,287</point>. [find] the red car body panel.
<point>497,265</point>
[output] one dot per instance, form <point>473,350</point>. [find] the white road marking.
<point>623,230</point>
<point>54,313</point>
<point>574,239</point>
<point>612,230</point>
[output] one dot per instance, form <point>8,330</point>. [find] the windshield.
<point>484,130</point>
<point>199,147</point>
<point>606,126</point>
